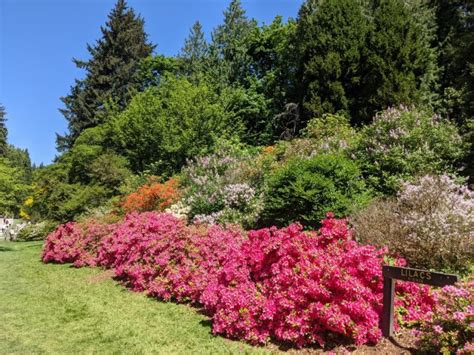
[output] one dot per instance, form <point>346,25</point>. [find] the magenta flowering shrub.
<point>305,288</point>
<point>450,329</point>
<point>283,284</point>
<point>159,254</point>
<point>76,243</point>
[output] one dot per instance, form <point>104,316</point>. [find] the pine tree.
<point>229,45</point>
<point>195,52</point>
<point>110,73</point>
<point>3,132</point>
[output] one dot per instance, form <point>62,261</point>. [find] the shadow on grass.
<point>2,248</point>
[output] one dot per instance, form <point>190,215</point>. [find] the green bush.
<point>164,126</point>
<point>37,231</point>
<point>305,190</point>
<point>405,142</point>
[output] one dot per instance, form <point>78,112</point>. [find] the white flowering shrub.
<point>180,210</point>
<point>430,223</point>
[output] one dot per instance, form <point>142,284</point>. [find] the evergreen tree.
<point>272,49</point>
<point>229,45</point>
<point>195,52</point>
<point>331,36</point>
<point>399,65</point>
<point>360,56</point>
<point>3,132</point>
<point>455,37</point>
<point>110,73</point>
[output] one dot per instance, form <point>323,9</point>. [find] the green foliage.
<point>357,57</point>
<point>305,190</point>
<point>332,133</point>
<point>20,159</point>
<point>455,21</point>
<point>57,198</point>
<point>164,126</point>
<point>110,72</point>
<point>153,69</point>
<point>399,61</point>
<point>229,46</point>
<point>272,50</point>
<point>37,231</point>
<point>331,36</point>
<point>13,189</point>
<point>195,52</point>
<point>402,143</point>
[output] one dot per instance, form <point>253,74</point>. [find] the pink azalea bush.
<point>305,288</point>
<point>159,254</point>
<point>284,284</point>
<point>76,243</point>
<point>450,329</point>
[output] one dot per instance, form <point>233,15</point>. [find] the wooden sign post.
<point>392,273</point>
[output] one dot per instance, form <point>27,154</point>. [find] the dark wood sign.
<point>392,273</point>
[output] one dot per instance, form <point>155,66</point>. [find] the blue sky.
<point>38,39</point>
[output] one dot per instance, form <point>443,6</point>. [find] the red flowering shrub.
<point>304,288</point>
<point>286,284</point>
<point>152,196</point>
<point>76,243</point>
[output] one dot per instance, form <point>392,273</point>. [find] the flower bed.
<point>283,284</point>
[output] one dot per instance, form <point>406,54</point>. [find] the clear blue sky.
<point>38,39</point>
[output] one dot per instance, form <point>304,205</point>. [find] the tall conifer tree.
<point>229,45</point>
<point>195,51</point>
<point>110,72</point>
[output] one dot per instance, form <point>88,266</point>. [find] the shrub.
<point>305,190</point>
<point>305,288</point>
<point>218,189</point>
<point>451,328</point>
<point>152,196</point>
<point>430,223</point>
<point>37,231</point>
<point>76,243</point>
<point>404,142</point>
<point>159,254</point>
<point>332,133</point>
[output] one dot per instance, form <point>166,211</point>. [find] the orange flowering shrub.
<point>152,196</point>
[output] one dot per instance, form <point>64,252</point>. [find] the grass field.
<point>59,309</point>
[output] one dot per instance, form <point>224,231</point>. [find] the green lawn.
<point>60,309</point>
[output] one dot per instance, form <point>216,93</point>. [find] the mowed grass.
<point>46,308</point>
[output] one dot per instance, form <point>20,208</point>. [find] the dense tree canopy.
<point>136,114</point>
